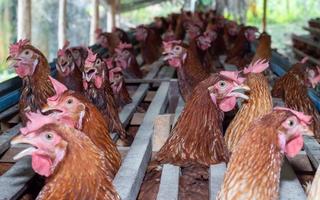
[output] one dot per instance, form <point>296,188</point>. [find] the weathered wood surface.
<point>290,187</point>
<point>302,54</point>
<point>6,137</point>
<point>130,175</point>
<point>216,179</point>
<point>162,125</point>
<point>14,182</point>
<point>169,183</point>
<point>312,148</point>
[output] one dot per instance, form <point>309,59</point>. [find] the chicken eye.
<point>291,123</point>
<point>98,62</point>
<point>222,84</point>
<point>49,136</point>
<point>177,48</point>
<point>70,101</point>
<point>69,56</point>
<point>27,53</point>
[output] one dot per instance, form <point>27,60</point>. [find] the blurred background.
<point>283,18</point>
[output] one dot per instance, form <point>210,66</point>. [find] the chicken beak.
<point>236,93</point>
<point>22,139</point>
<point>49,109</point>
<point>306,131</point>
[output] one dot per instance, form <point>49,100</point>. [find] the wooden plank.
<point>216,179</point>
<point>179,109</point>
<point>162,126</point>
<point>129,109</point>
<point>14,182</point>
<point>169,183</point>
<point>312,148</point>
<point>312,30</point>
<point>174,95</point>
<point>130,175</point>
<point>6,137</point>
<point>306,39</point>
<point>302,54</point>
<point>290,187</point>
<point>10,111</point>
<point>137,119</point>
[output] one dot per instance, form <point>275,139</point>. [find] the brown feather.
<point>200,119</point>
<point>248,177</point>
<point>83,173</point>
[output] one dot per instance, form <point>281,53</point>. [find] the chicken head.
<point>67,108</point>
<point>313,76</point>
<point>24,58</point>
<point>141,33</point>
<point>47,151</point>
<point>225,92</point>
<point>115,76</point>
<point>65,64</point>
<point>94,70</point>
<point>291,130</point>
<point>175,53</point>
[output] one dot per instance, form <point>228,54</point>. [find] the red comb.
<point>233,75</point>
<point>35,121</point>
<point>257,67</point>
<point>305,118</point>
<point>16,47</point>
<point>304,60</point>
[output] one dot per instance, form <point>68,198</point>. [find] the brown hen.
<point>150,44</point>
<point>189,68</point>
<point>293,89</point>
<point>98,90</point>
<point>57,152</point>
<point>260,101</point>
<point>254,168</point>
<point>33,68</point>
<point>201,118</point>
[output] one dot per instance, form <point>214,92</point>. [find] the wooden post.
<point>94,21</point>
<point>24,19</point>
<point>264,19</point>
<point>62,23</point>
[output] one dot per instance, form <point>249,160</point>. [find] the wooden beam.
<point>94,25</point>
<point>130,175</point>
<point>14,182</point>
<point>169,183</point>
<point>6,137</point>
<point>290,187</point>
<point>62,23</point>
<point>216,179</point>
<point>24,19</point>
<point>312,148</point>
<point>162,126</point>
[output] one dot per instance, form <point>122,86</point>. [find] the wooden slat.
<point>6,137</point>
<point>10,111</point>
<point>306,39</point>
<point>14,182</point>
<point>312,30</point>
<point>216,179</point>
<point>290,187</point>
<point>130,175</point>
<point>312,148</point>
<point>169,183</point>
<point>302,54</point>
<point>129,109</point>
